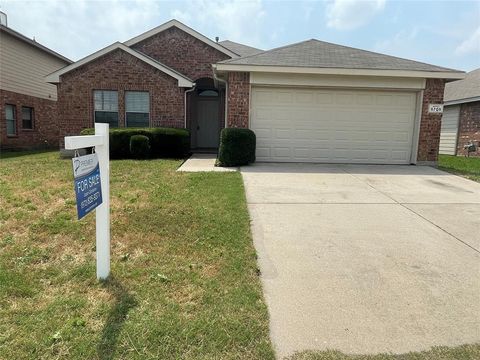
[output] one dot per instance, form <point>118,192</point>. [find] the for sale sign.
<point>88,189</point>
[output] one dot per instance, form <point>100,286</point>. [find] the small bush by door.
<point>237,147</point>
<point>140,146</point>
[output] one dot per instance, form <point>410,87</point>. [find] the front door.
<point>208,127</point>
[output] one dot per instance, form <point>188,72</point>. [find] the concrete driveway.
<point>366,259</point>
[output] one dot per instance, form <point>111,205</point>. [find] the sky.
<point>445,33</point>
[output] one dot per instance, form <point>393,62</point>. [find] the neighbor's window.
<point>137,108</point>
<point>106,107</point>
<point>11,119</point>
<point>27,117</point>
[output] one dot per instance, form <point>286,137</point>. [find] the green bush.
<point>140,146</point>
<point>164,142</point>
<point>237,147</point>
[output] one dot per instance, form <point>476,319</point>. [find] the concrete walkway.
<point>203,162</point>
<point>366,259</point>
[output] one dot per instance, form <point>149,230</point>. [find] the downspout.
<point>185,104</point>
<point>216,78</point>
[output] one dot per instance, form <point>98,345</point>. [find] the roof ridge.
<point>377,53</point>
<point>265,51</point>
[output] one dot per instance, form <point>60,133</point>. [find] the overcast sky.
<point>445,33</point>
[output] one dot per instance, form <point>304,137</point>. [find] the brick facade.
<point>182,52</point>
<point>45,131</point>
<point>238,99</point>
<point>118,71</point>
<point>469,127</point>
<point>430,124</point>
<point>122,72</point>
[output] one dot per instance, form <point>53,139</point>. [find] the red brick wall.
<point>182,52</point>
<point>238,99</point>
<point>469,127</point>
<point>118,71</point>
<point>44,133</point>
<point>430,124</point>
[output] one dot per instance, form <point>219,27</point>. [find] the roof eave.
<point>220,67</point>
<point>461,101</point>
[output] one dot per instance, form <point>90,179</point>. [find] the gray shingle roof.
<point>240,49</point>
<point>320,54</point>
<point>464,89</point>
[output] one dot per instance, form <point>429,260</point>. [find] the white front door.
<point>333,126</point>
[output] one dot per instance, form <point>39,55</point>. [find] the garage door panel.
<point>320,125</point>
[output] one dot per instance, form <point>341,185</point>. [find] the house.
<point>28,106</point>
<point>307,102</point>
<point>461,115</point>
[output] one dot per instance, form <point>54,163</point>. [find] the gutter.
<point>185,104</point>
<point>461,101</point>
<point>215,80</point>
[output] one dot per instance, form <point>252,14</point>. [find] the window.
<point>208,93</point>
<point>137,108</point>
<point>27,117</point>
<point>106,107</point>
<point>11,119</point>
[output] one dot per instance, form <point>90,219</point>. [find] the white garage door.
<point>335,126</point>
<point>448,136</point>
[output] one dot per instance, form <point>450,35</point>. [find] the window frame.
<point>32,118</point>
<point>14,120</point>
<point>105,111</point>
<point>136,112</point>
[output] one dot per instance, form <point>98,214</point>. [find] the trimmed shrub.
<point>139,146</point>
<point>164,142</point>
<point>237,147</point>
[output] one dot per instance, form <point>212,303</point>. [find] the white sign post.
<point>101,142</point>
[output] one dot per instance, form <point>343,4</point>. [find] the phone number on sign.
<point>90,200</point>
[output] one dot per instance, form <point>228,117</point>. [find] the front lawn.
<point>460,165</point>
<point>185,283</point>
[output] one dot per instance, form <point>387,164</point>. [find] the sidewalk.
<point>203,162</point>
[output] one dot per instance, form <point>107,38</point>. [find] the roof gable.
<point>183,81</point>
<point>319,54</point>
<point>185,28</point>
<point>467,89</point>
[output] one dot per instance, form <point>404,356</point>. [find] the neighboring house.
<point>461,115</point>
<point>307,102</point>
<point>28,106</point>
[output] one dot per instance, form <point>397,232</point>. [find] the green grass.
<point>460,165</point>
<point>184,279</point>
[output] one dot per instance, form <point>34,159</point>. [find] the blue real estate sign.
<point>88,189</point>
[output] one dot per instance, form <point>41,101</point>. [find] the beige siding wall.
<point>23,68</point>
